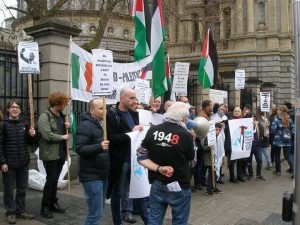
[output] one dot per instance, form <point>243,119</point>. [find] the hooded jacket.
<point>94,161</point>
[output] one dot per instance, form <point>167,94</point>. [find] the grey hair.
<point>177,111</point>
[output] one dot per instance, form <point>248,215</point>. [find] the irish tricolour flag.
<point>208,68</point>
<point>81,73</point>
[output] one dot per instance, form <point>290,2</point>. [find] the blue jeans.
<point>160,198</point>
<point>287,156</point>
<point>266,154</point>
<point>120,198</point>
<point>257,152</point>
<point>94,192</point>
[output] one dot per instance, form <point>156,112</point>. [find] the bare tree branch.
<point>56,8</point>
<point>19,10</point>
<point>105,14</point>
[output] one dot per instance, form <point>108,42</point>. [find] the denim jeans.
<point>266,153</point>
<point>120,201</point>
<point>258,157</point>
<point>20,177</point>
<point>287,156</point>
<point>94,193</point>
<point>160,198</point>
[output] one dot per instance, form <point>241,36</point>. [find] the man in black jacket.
<point>94,160</point>
<point>120,121</point>
<point>15,135</point>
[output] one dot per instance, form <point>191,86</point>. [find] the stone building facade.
<point>254,35</point>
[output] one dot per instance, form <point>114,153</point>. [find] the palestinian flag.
<point>81,73</point>
<point>208,68</point>
<point>168,81</point>
<point>157,51</point>
<point>141,49</point>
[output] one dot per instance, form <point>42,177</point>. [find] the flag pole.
<point>104,119</point>
<point>67,115</point>
<point>30,100</point>
<point>213,168</point>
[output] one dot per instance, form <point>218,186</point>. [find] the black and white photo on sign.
<point>28,57</point>
<point>211,135</point>
<point>102,72</point>
<point>265,101</point>
<point>239,79</point>
<point>143,91</point>
<point>181,75</point>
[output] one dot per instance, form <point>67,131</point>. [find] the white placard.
<point>265,101</point>
<point>241,134</point>
<point>211,135</point>
<point>142,88</point>
<point>139,183</point>
<point>125,75</point>
<point>28,56</point>
<point>102,72</point>
<point>181,75</point>
<point>239,79</point>
<point>148,118</point>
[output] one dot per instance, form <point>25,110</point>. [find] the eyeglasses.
<point>15,107</point>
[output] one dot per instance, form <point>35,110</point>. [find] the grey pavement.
<point>250,203</point>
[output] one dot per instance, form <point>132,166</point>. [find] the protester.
<point>167,162</point>
<point>15,135</point>
<point>184,99</point>
<point>154,105</point>
<point>206,111</point>
<point>273,115</point>
<point>120,121</point>
<point>256,148</point>
<point>167,104</point>
<point>94,160</point>
<point>53,148</point>
<point>220,117</point>
<point>237,114</point>
<point>209,166</point>
<point>282,128</point>
<point>264,122</point>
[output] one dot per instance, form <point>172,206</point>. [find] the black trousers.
<point>20,177</point>
<point>53,169</point>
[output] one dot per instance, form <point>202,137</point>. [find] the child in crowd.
<point>219,150</point>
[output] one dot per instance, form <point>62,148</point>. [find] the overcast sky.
<point>4,13</point>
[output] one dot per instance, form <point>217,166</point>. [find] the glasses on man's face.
<point>14,107</point>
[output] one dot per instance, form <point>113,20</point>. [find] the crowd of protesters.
<point>178,157</point>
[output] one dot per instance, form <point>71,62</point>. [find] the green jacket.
<point>50,139</point>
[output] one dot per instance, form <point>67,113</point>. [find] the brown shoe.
<point>11,219</point>
<point>25,216</point>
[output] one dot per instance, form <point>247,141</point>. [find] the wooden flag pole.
<point>213,168</point>
<point>67,116</point>
<point>104,119</point>
<point>31,100</point>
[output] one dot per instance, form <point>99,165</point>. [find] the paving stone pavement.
<point>250,203</point>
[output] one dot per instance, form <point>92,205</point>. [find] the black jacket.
<point>120,143</point>
<point>14,140</point>
<point>94,162</point>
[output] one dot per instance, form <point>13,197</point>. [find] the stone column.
<point>284,17</point>
<point>222,24</point>
<point>250,16</point>
<point>239,18</point>
<point>272,16</point>
<point>53,37</point>
<point>181,33</point>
